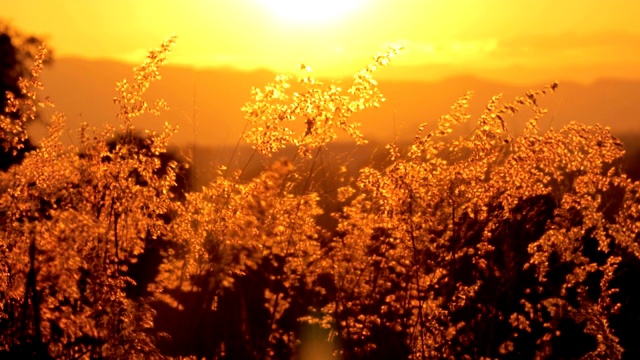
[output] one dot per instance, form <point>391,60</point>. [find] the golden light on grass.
<point>311,11</point>
<point>486,243</point>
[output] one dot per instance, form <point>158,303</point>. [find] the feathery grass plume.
<point>22,109</point>
<point>427,240</point>
<point>69,232</point>
<point>130,92</point>
<point>484,245</point>
<point>309,114</point>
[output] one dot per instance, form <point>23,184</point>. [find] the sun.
<point>311,11</point>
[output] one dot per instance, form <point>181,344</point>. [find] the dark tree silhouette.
<point>16,53</point>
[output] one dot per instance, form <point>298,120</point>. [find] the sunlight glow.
<point>311,11</point>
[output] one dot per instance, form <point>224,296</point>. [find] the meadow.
<point>480,244</point>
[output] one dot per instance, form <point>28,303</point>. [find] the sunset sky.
<point>575,40</point>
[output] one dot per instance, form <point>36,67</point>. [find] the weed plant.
<point>482,245</point>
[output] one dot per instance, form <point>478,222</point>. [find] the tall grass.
<point>487,245</point>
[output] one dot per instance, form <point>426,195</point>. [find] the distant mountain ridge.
<point>206,103</point>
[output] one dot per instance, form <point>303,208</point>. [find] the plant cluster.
<point>481,245</point>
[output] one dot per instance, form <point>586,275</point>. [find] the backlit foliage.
<point>21,109</point>
<point>488,244</point>
<point>311,117</point>
<point>429,237</point>
<point>73,219</point>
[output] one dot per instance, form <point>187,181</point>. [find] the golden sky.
<point>576,40</point>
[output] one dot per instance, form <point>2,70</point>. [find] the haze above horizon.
<point>502,40</point>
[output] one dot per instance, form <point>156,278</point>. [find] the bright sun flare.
<point>311,11</point>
